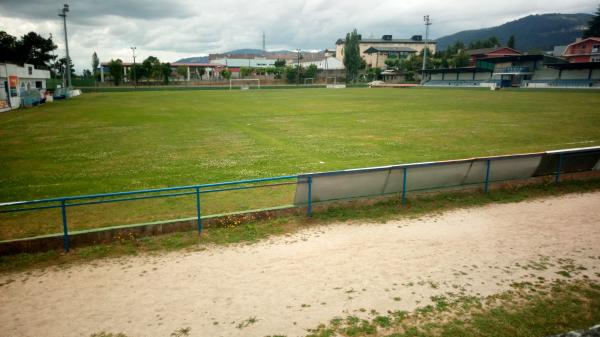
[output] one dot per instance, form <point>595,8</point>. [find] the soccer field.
<point>106,142</point>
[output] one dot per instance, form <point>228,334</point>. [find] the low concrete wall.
<point>110,234</point>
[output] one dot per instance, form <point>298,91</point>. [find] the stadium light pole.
<point>298,68</point>
<point>134,74</point>
<point>63,14</point>
<point>427,24</point>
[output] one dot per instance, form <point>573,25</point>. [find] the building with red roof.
<point>583,50</point>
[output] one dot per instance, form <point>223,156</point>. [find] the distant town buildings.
<point>375,51</point>
<point>583,50</point>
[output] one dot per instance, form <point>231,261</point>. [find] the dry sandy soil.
<point>291,283</point>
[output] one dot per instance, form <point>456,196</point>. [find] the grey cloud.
<point>180,28</point>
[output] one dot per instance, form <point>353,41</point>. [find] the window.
<point>596,48</point>
<point>30,70</point>
<point>596,59</point>
<point>38,84</point>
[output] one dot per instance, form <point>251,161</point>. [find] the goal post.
<point>333,84</point>
<point>244,80</point>
<point>309,79</point>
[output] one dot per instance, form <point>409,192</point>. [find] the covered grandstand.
<point>523,71</point>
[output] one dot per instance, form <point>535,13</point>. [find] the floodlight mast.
<point>63,14</point>
<point>134,66</point>
<point>427,24</point>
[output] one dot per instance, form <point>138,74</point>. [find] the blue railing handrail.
<point>144,191</point>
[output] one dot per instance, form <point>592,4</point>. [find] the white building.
<point>16,80</point>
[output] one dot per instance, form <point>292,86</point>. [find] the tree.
<point>36,50</point>
<point>489,43</point>
<point>31,48</point>
<point>60,66</point>
<point>136,72</point>
<point>279,63</point>
<point>593,26</point>
<point>182,71</point>
<point>95,64</point>
<point>115,68</point>
<point>511,42</point>
<point>165,72</point>
<point>246,71</point>
<point>87,73</point>
<point>460,60</point>
<point>352,59</point>
<point>8,47</point>
<point>152,68</point>
<point>311,71</point>
<point>292,73</point>
<point>226,74</point>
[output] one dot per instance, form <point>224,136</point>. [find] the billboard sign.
<point>13,83</point>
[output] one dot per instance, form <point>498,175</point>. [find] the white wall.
<point>575,74</point>
<point>545,74</point>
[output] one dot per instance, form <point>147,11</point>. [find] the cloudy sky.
<point>181,28</point>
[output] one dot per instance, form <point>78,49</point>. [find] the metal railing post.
<point>487,176</point>
<point>404,187</point>
<point>198,210</point>
<point>558,168</point>
<point>66,243</point>
<point>309,204</point>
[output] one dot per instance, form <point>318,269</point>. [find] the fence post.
<point>404,187</point>
<point>487,176</point>
<point>66,243</point>
<point>558,168</point>
<point>309,206</point>
<point>198,211</point>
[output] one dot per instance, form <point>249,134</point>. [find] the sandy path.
<point>294,282</point>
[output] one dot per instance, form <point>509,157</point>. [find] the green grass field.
<point>108,142</point>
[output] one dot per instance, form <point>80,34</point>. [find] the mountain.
<point>243,51</point>
<point>531,32</point>
<point>194,59</point>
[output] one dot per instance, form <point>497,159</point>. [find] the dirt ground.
<point>287,284</point>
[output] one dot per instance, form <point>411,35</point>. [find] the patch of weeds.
<point>181,332</point>
<point>105,334</point>
<point>527,310</point>
<point>564,273</point>
<point>247,322</point>
<point>441,302</point>
<point>397,299</point>
<point>382,321</point>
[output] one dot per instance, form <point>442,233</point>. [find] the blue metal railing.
<point>72,201</point>
<point>562,157</point>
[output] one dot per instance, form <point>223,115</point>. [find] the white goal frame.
<point>242,80</point>
<point>312,80</point>
<point>334,85</point>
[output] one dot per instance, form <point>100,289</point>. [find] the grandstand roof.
<point>573,66</point>
<point>456,70</point>
<point>485,51</point>
<point>523,58</point>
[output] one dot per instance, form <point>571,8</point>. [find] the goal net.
<point>331,82</point>
<point>309,80</point>
<point>244,84</point>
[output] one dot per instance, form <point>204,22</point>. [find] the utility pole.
<point>134,72</point>
<point>264,44</point>
<point>63,14</point>
<point>427,24</point>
